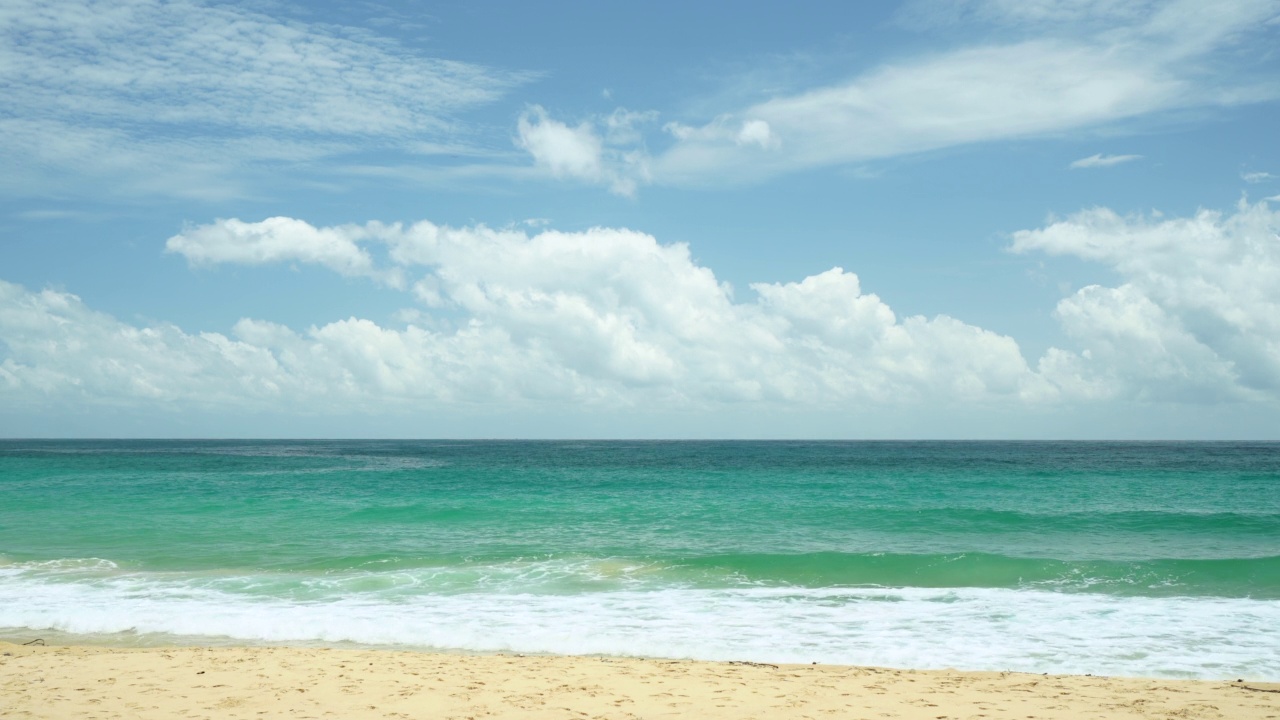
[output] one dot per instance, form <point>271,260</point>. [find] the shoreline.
<point>54,681</point>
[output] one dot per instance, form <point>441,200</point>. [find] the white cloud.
<point>605,317</point>
<point>60,352</point>
<point>1022,12</point>
<point>280,239</point>
<point>756,132</point>
<point>962,97</point>
<point>1197,316</point>
<point>1072,71</point>
<point>1100,160</point>
<point>50,214</point>
<point>52,156</point>
<point>647,314</point>
<point>184,62</point>
<point>612,319</point>
<point>565,151</point>
<point>200,91</point>
<point>623,126</point>
<point>1256,177</point>
<point>581,153</point>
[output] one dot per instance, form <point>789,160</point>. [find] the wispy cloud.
<point>1256,177</point>
<point>1065,74</point>
<point>1020,13</point>
<point>153,77</point>
<point>1051,83</point>
<point>49,214</point>
<point>56,157</point>
<point>1099,160</point>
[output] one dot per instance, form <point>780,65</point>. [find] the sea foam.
<point>970,628</point>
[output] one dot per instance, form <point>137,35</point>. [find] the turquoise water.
<point>1133,559</point>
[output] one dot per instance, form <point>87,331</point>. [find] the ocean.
<point>1140,559</point>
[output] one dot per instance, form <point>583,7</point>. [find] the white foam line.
<point>995,629</point>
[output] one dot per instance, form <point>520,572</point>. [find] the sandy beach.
<point>193,682</point>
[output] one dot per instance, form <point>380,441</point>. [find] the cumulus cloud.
<point>1100,160</point>
<point>565,151</point>
<point>1197,316</point>
<point>59,351</point>
<point>605,317</point>
<point>581,153</point>
<point>280,239</point>
<point>612,318</point>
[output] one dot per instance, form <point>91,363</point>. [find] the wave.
<point>1031,630</point>
<point>1235,577</point>
<point>1245,578</point>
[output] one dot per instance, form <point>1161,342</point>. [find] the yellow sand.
<point>86,682</point>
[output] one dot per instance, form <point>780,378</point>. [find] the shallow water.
<point>1117,558</point>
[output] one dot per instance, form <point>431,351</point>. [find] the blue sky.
<point>953,219</point>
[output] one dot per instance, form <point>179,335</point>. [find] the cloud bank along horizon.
<point>613,317</point>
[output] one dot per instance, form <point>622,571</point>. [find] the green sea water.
<point>1139,559</point>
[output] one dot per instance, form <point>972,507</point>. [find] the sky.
<point>959,219</point>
